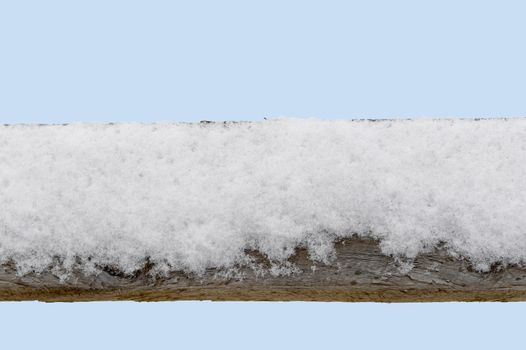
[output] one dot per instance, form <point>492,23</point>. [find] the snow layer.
<point>193,196</point>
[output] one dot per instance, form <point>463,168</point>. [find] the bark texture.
<point>359,272</point>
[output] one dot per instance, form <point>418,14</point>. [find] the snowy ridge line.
<point>228,122</point>
<point>196,196</point>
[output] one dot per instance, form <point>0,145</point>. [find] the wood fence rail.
<point>359,272</point>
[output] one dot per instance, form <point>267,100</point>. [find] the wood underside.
<point>359,272</point>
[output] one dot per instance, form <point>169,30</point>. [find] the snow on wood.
<point>259,210</point>
<point>360,272</point>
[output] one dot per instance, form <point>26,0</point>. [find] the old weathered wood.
<point>359,272</point>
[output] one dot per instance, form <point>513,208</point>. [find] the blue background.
<point>63,61</point>
<point>101,61</point>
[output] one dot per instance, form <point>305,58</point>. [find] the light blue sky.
<point>131,60</point>
<point>101,61</point>
<point>209,325</point>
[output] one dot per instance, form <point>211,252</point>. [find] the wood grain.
<point>359,272</point>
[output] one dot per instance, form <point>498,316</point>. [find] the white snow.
<point>193,196</point>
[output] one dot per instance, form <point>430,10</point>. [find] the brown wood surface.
<point>359,272</point>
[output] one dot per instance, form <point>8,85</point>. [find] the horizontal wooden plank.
<point>359,272</point>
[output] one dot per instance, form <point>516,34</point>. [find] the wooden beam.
<point>359,272</point>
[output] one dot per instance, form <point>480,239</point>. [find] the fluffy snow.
<point>194,196</point>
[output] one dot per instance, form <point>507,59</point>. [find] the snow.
<point>194,196</point>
